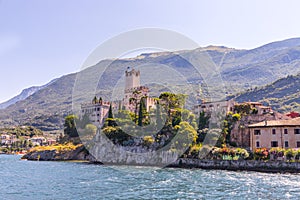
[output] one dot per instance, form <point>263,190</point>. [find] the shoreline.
<point>188,163</point>
<point>79,154</point>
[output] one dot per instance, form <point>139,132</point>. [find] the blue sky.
<point>43,40</point>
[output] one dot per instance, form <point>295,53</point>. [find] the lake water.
<point>68,180</point>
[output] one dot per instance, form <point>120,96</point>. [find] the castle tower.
<point>132,79</point>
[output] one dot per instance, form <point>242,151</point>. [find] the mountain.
<point>282,95</point>
<point>23,95</point>
<point>225,69</point>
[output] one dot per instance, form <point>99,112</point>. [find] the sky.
<point>43,40</point>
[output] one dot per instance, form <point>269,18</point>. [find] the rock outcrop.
<point>80,153</point>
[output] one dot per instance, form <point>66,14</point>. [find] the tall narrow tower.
<point>132,79</point>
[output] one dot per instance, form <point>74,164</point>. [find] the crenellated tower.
<point>132,79</point>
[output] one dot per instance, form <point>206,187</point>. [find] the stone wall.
<point>238,165</point>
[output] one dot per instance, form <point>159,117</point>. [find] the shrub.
<point>148,140</point>
<point>290,154</point>
<point>261,154</point>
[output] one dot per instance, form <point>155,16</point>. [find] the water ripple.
<point>66,180</point>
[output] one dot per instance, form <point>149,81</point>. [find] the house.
<point>38,141</point>
<point>51,141</point>
<point>275,133</point>
<point>7,139</point>
<point>227,106</point>
<point>240,134</point>
<point>96,111</point>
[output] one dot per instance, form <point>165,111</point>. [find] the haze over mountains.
<point>241,70</point>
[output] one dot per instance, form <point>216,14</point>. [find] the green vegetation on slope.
<point>282,95</point>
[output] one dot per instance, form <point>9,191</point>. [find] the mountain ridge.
<point>240,70</point>
<point>24,94</point>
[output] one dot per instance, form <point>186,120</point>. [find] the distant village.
<point>19,139</point>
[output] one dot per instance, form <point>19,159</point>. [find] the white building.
<point>97,111</point>
<point>208,107</point>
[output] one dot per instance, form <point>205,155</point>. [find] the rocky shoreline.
<point>81,154</point>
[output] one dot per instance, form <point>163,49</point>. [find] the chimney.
<point>266,122</point>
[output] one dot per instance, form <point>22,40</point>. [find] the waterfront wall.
<point>233,165</point>
<point>239,165</point>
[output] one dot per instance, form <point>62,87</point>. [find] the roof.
<point>277,123</point>
<point>253,103</point>
<point>265,107</point>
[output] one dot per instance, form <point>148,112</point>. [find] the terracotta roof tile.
<point>273,123</point>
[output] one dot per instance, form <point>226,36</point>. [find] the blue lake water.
<point>67,180</point>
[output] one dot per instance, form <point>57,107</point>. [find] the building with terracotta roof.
<point>275,133</point>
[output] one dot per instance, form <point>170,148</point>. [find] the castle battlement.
<point>140,88</point>
<point>132,79</point>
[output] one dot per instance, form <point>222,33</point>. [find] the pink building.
<point>275,133</point>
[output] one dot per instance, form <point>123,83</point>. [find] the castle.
<point>97,109</point>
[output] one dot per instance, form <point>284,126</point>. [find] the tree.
<point>134,99</point>
<point>95,100</point>
<point>90,130</point>
<point>142,112</point>
<point>110,113</point>
<point>70,127</point>
<point>158,116</point>
<point>172,101</point>
<point>83,121</point>
<point>110,118</point>
<point>203,121</point>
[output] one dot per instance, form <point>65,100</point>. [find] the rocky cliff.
<point>79,153</point>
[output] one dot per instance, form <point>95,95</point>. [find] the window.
<point>286,144</point>
<point>285,131</point>
<point>297,131</point>
<point>257,144</point>
<point>257,132</point>
<point>274,144</point>
<point>98,109</point>
<point>273,131</point>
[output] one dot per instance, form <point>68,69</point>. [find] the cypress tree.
<point>95,100</point>
<point>110,116</point>
<point>203,121</point>
<point>110,113</point>
<point>158,117</point>
<point>142,112</point>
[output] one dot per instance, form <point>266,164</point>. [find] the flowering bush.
<point>261,154</point>
<point>230,153</point>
